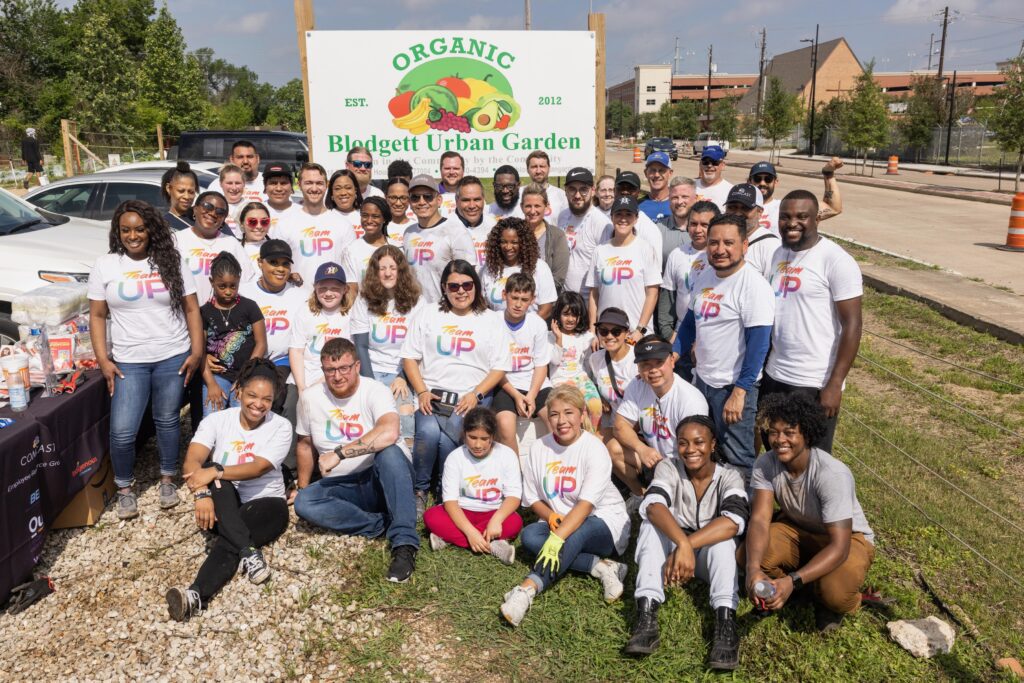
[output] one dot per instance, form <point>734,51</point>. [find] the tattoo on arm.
<point>359,448</point>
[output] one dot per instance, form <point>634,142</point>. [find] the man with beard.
<point>245,156</point>
<point>453,168</point>
<point>818,290</point>
<point>538,166</point>
<point>506,194</point>
<point>763,177</point>
<point>745,201</point>
<point>469,208</point>
<point>584,225</point>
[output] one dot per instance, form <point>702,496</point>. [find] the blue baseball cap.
<point>713,152</point>
<point>763,167</point>
<point>329,271</point>
<point>659,158</point>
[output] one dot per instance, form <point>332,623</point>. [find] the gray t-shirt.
<point>823,494</point>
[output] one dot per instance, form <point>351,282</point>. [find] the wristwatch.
<point>641,329</point>
<point>479,397</point>
<point>220,470</point>
<point>338,450</point>
<point>798,583</point>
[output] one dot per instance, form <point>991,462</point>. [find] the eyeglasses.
<point>397,198</point>
<point>765,178</point>
<point>210,206</point>
<point>578,190</point>
<point>261,222</point>
<point>464,286</point>
<point>361,164</point>
<point>422,196</point>
<point>339,370</point>
<point>707,161</point>
<point>505,186</point>
<point>613,331</point>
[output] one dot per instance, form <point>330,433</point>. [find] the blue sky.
<point>261,33</point>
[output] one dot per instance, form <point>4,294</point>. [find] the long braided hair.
<point>529,252</point>
<point>162,253</point>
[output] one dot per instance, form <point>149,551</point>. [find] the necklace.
<point>225,313</point>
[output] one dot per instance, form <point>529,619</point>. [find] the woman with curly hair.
<point>179,187</point>
<point>552,244</point>
<point>821,536</point>
<point>144,286</point>
<point>389,298</point>
<point>512,248</point>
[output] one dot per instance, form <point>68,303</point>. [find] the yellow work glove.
<point>548,555</point>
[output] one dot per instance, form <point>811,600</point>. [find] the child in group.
<point>232,185</point>
<point>524,389</point>
<point>570,325</point>
<point>234,333</point>
<point>255,221</point>
<point>480,489</point>
<point>325,318</point>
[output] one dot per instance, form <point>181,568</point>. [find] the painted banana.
<point>416,120</point>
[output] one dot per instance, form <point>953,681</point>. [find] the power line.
<point>947,362</point>
<point>930,519</point>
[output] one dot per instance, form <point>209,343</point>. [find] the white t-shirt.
<point>494,287</point>
<point>280,310</point>
<point>230,444</point>
<point>143,327</point>
<point>353,218</point>
<point>807,285</point>
<point>331,421</point>
<point>659,417</point>
<point>457,351</point>
<point>569,361</point>
<point>253,191</point>
<point>561,476</point>
<point>716,193</point>
<point>722,308</point>
<point>625,372</point>
<point>498,213</point>
<point>315,239</point>
<point>481,484</point>
<point>583,233</point>
<point>759,254</point>
<point>529,348</point>
<point>231,220</point>
<point>199,254</point>
<point>448,204</point>
<point>396,232</point>
<point>372,191</point>
<point>679,275</point>
<point>647,230</point>
<point>357,258</point>
<point>770,216</point>
<point>252,250</point>
<point>622,275</point>
<point>386,333</point>
<point>311,331</point>
<point>430,250</point>
<point>275,217</point>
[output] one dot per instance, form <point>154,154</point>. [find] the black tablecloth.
<point>48,455</point>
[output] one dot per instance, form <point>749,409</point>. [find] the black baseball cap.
<point>329,271</point>
<point>763,167</point>
<point>579,175</point>
<point>613,316</point>
<point>653,349</point>
<point>625,203</point>
<point>743,193</point>
<point>276,249</point>
<point>629,178</point>
<point>275,171</point>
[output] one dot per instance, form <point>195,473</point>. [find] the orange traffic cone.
<point>1015,231</point>
<point>893,168</point>
<point>638,155</point>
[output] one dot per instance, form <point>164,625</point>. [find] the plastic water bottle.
<point>17,393</point>
<point>764,590</point>
<point>45,358</point>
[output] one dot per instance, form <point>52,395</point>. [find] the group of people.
<point>373,355</point>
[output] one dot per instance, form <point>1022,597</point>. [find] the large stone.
<point>923,637</point>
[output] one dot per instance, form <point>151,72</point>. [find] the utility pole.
<point>942,46</point>
<point>931,51</point>
<point>707,121</point>
<point>949,123</point>
<point>675,59</point>
<point>814,87</point>
<point>760,89</point>
<point>526,17</point>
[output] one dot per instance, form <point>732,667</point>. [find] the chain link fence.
<point>971,145</point>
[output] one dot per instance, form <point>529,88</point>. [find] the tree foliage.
<point>780,112</point>
<point>287,107</point>
<point>866,123</point>
<point>923,112</point>
<point>1007,117</point>
<point>619,118</point>
<point>725,118</point>
<point>170,80</point>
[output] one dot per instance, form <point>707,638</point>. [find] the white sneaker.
<point>436,542</point>
<point>504,551</point>
<point>611,574</point>
<point>517,604</point>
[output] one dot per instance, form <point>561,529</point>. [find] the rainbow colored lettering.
<point>615,271</point>
<point>239,453</point>
<point>559,480</point>
<point>454,342</point>
<point>709,306</point>
<point>420,251</point>
<point>199,261</point>
<point>658,426</point>
<point>389,329</point>
<point>146,285</point>
<point>342,426</point>
<point>479,488</point>
<point>522,358</point>
<point>315,242</point>
<point>789,282</point>
<point>275,320</point>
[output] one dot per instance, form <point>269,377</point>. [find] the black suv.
<point>274,146</point>
<point>661,145</point>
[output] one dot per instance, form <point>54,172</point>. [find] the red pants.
<point>438,522</point>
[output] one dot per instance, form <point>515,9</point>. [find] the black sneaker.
<point>254,566</point>
<point>825,620</point>
<point>645,637</point>
<point>182,603</point>
<point>403,562</point>
<point>725,648</point>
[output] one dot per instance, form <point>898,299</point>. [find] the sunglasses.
<point>422,196</point>
<point>210,206</point>
<point>613,331</point>
<point>361,164</point>
<point>765,178</point>
<point>464,286</point>
<point>260,222</point>
<point>709,162</point>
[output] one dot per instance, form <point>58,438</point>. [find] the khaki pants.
<point>790,547</point>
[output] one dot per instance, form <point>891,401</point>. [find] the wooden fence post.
<point>595,23</point>
<point>303,23</point>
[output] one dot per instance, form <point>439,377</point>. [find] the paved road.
<point>954,234</point>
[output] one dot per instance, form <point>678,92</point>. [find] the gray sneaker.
<point>504,551</point>
<point>127,505</point>
<point>517,604</point>
<point>611,574</point>
<point>182,603</point>
<point>437,543</point>
<point>421,504</point>
<point>168,495</point>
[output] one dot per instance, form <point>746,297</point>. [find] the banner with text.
<point>492,96</point>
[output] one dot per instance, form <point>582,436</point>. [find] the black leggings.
<point>238,526</point>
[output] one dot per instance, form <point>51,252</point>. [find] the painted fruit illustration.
<point>455,93</point>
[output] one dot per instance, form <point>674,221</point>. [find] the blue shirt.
<point>655,210</point>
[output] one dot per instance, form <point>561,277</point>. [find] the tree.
<point>618,118</point>
<point>226,82</point>
<point>725,118</point>
<point>866,123</point>
<point>169,80</point>
<point>1007,119</point>
<point>288,107</point>
<point>780,112</point>
<point>104,78</point>
<point>923,113</point>
<point>646,123</point>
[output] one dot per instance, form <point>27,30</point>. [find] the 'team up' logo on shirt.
<point>615,271</point>
<point>137,284</point>
<point>789,282</point>
<point>420,251</point>
<point>454,341</point>
<point>389,329</point>
<point>324,334</point>
<point>240,452</point>
<point>200,259</point>
<point>479,488</point>
<point>276,320</point>
<point>315,242</point>
<point>521,357</point>
<point>653,424</point>
<point>559,480</point>
<point>342,426</point>
<point>709,306</point>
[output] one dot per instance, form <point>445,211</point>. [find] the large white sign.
<point>492,96</point>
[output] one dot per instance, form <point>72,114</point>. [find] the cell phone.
<point>445,405</point>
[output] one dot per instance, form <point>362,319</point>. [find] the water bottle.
<point>764,590</point>
<point>17,392</point>
<point>45,358</point>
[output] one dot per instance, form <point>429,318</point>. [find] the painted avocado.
<point>486,118</point>
<point>433,71</point>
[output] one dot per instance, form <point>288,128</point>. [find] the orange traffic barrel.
<point>638,155</point>
<point>894,166</point>
<point>1015,231</point>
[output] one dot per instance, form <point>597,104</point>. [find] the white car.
<point>39,247</point>
<point>706,140</point>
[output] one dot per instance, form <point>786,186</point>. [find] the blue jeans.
<point>161,381</point>
<point>379,500</point>
<point>582,550</point>
<point>225,386</point>
<point>407,422</point>
<point>436,437</point>
<point>736,441</point>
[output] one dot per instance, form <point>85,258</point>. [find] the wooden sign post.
<point>595,23</point>
<point>303,23</point>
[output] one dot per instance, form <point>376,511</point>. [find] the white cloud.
<point>922,11</point>
<point>253,23</point>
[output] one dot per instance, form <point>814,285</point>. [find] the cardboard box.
<point>86,508</point>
